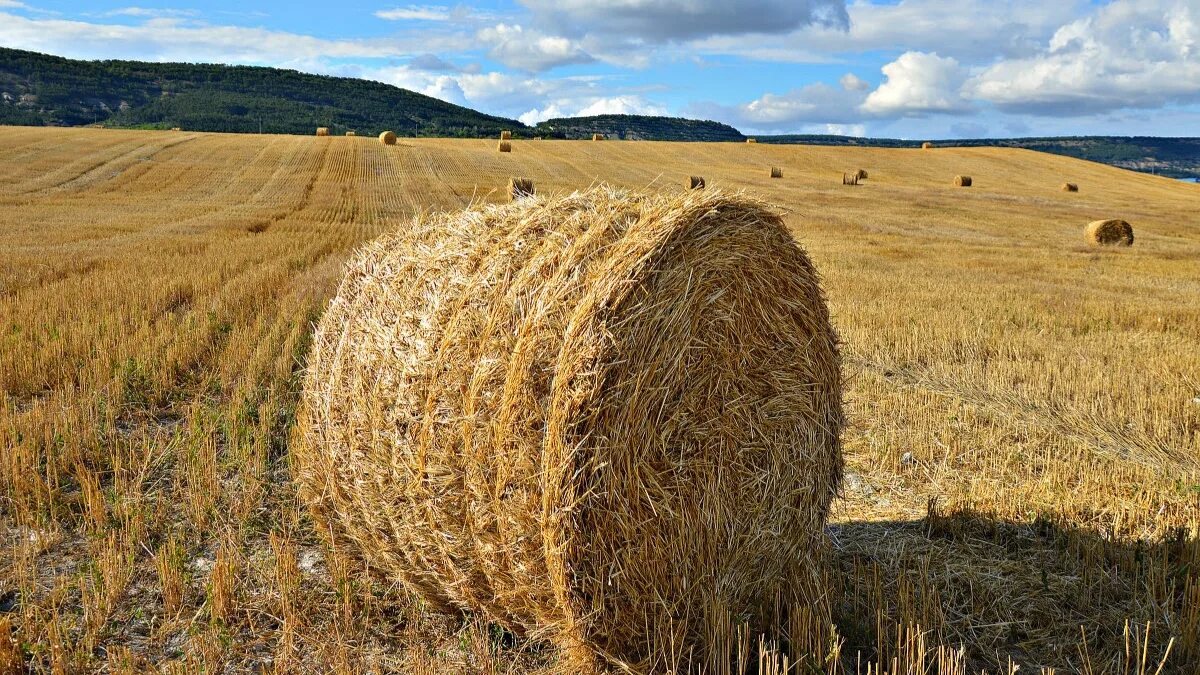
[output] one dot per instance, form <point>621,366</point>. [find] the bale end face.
<point>962,181</point>
<point>627,411</point>
<point>694,183</point>
<point>504,146</point>
<point>519,188</point>
<point>849,179</point>
<point>1113,232</point>
<point>1070,187</point>
<point>776,172</point>
<point>597,137</point>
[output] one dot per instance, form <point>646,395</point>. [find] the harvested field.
<point>1022,440</point>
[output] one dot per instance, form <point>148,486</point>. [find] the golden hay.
<point>861,174</point>
<point>322,131</point>
<point>962,181</point>
<point>1113,232</point>
<point>505,135</point>
<point>751,140</point>
<point>388,138</point>
<point>926,145</point>
<point>504,146</point>
<point>776,172</point>
<point>1070,187</point>
<point>694,183</point>
<point>519,188</point>
<point>351,133</point>
<point>597,137</point>
<point>603,420</point>
<point>849,179</point>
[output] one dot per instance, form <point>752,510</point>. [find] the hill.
<point>42,90</point>
<point>638,128</point>
<point>1173,157</point>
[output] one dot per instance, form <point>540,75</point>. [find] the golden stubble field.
<point>1023,444</point>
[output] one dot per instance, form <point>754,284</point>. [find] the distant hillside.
<point>37,89</point>
<point>638,128</point>
<point>1174,157</point>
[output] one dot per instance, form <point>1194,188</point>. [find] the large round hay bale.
<point>776,172</point>
<point>1114,232</point>
<point>504,146</point>
<point>962,181</point>
<point>322,131</point>
<point>605,420</point>
<point>388,138</point>
<point>1070,187</point>
<point>505,135</point>
<point>861,174</point>
<point>927,145</point>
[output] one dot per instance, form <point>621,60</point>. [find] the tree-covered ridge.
<point>39,89</point>
<point>639,128</point>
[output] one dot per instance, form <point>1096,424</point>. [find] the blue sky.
<point>909,68</point>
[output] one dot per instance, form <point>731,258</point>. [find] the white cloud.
<point>1127,54</point>
<point>518,47</point>
<point>918,83</point>
<point>415,13</point>
<point>613,105</point>
<point>852,82</point>
<point>857,130</point>
<point>816,103</point>
<point>146,12</point>
<point>671,20</point>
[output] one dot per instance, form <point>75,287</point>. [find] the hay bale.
<point>322,131</point>
<point>694,183</point>
<point>605,420</point>
<point>926,145</point>
<point>351,133</point>
<point>751,140</point>
<point>849,179</point>
<point>505,135</point>
<point>176,129</point>
<point>519,188</point>
<point>504,146</point>
<point>776,172</point>
<point>1114,232</point>
<point>861,174</point>
<point>962,181</point>
<point>1070,187</point>
<point>388,138</point>
<point>597,137</point>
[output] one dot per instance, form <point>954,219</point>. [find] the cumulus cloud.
<point>816,103</point>
<point>673,20</point>
<point>518,47</point>
<point>613,105</point>
<point>918,83</point>
<point>852,82</point>
<point>1127,54</point>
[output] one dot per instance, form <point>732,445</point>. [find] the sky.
<point>882,68</point>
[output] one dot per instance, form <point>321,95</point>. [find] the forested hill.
<point>38,89</point>
<point>639,128</point>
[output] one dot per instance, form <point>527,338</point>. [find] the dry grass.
<point>155,318</point>
<point>520,188</point>
<point>694,183</point>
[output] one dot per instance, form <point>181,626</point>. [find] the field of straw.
<point>1022,435</point>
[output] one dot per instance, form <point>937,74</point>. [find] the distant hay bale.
<point>176,129</point>
<point>926,145</point>
<point>322,131</point>
<point>388,138</point>
<point>519,188</point>
<point>604,420</point>
<point>751,140</point>
<point>504,146</point>
<point>351,133</point>
<point>861,174</point>
<point>1070,187</point>
<point>1114,232</point>
<point>694,183</point>
<point>505,135</point>
<point>776,172</point>
<point>849,179</point>
<point>962,181</point>
<point>597,137</point>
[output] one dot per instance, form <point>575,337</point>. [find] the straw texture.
<point>605,420</point>
<point>519,188</point>
<point>1113,232</point>
<point>694,183</point>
